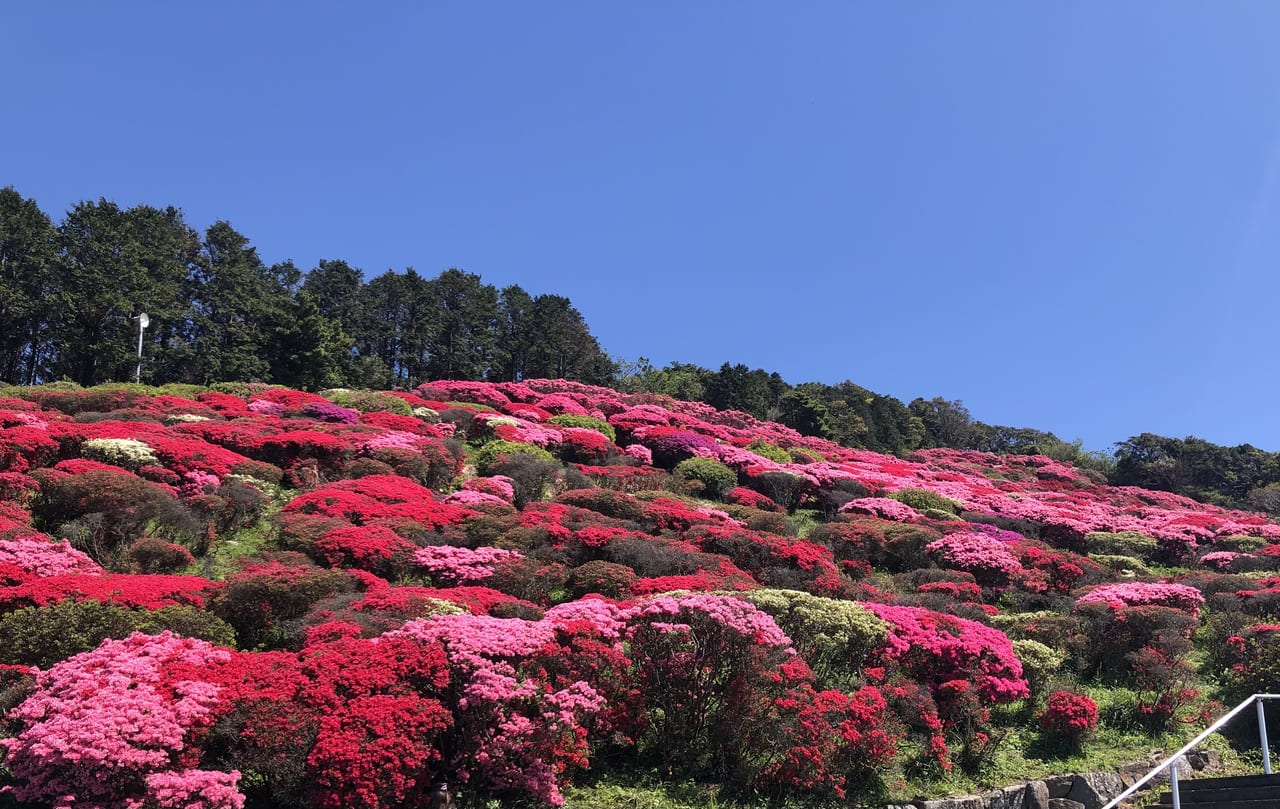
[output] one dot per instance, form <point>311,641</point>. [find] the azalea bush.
<point>1070,717</point>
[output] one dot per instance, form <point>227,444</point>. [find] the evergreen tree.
<point>464,339</point>
<point>28,255</point>
<point>236,301</point>
<point>116,264</point>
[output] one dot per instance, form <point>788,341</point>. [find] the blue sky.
<point>1066,215</point>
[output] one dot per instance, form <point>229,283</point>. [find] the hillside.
<point>248,595</point>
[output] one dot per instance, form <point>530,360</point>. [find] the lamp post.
<point>143,322</point>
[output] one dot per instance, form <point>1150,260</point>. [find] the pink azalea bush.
<point>100,727</point>
<point>1134,594</point>
<point>462,565</point>
<point>987,558</point>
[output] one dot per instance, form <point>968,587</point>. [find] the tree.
<point>396,323</point>
<point>562,346</point>
<point>308,350</point>
<point>804,413</point>
<point>515,335</point>
<point>465,333</point>
<point>735,387</point>
<point>236,301</point>
<point>28,254</point>
<point>114,265</point>
<point>678,380</point>
<point>334,286</point>
<point>946,424</point>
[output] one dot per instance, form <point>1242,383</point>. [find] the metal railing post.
<point>1171,762</point>
<point>1262,736</point>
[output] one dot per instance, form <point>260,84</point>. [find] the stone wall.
<point>1091,790</point>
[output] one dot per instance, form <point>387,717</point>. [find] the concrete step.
<point>1227,782</point>
<point>1226,792</point>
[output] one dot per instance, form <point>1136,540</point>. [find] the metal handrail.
<point>1171,763</point>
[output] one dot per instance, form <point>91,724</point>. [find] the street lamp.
<point>143,322</point>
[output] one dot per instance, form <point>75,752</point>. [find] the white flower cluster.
<point>127,452</point>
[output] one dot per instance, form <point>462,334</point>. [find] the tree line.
<point>70,293</point>
<point>218,312</point>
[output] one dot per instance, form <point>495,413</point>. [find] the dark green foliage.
<point>28,254</point>
<point>1232,476</point>
<point>715,478</point>
<point>42,636</point>
<point>735,387</point>
<point>532,472</point>
<point>104,512</point>
<point>115,264</point>
<point>545,337</point>
<point>237,303</point>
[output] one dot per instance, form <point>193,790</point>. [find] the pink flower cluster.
<point>99,724</point>
<point>885,507</point>
<point>732,613</point>
<point>463,565</point>
<point>38,556</point>
<point>939,648</point>
<point>1139,594</point>
<point>987,558</point>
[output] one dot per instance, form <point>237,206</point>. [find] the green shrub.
<point>1122,543</point>
<point>801,455</point>
<point>924,500</point>
<point>532,476</point>
<point>188,621</point>
<point>1240,544</point>
<point>181,389</point>
<point>783,488</point>
<point>606,578</point>
<point>1119,564</point>
<point>152,555</point>
<point>769,521</point>
<point>834,636</point>
<point>608,502</point>
<point>1040,664</point>
<point>587,422</point>
<point>42,636</point>
<point>368,401</point>
<point>488,456</point>
<point>773,452</point>
<point>715,477</point>
<point>260,600</point>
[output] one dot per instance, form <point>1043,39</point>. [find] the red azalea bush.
<point>374,548</point>
<point>1070,716</point>
<point>387,500</point>
<point>123,589</point>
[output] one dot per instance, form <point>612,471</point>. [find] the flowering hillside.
<point>255,596</point>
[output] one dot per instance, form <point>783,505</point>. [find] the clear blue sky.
<point>1066,215</point>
